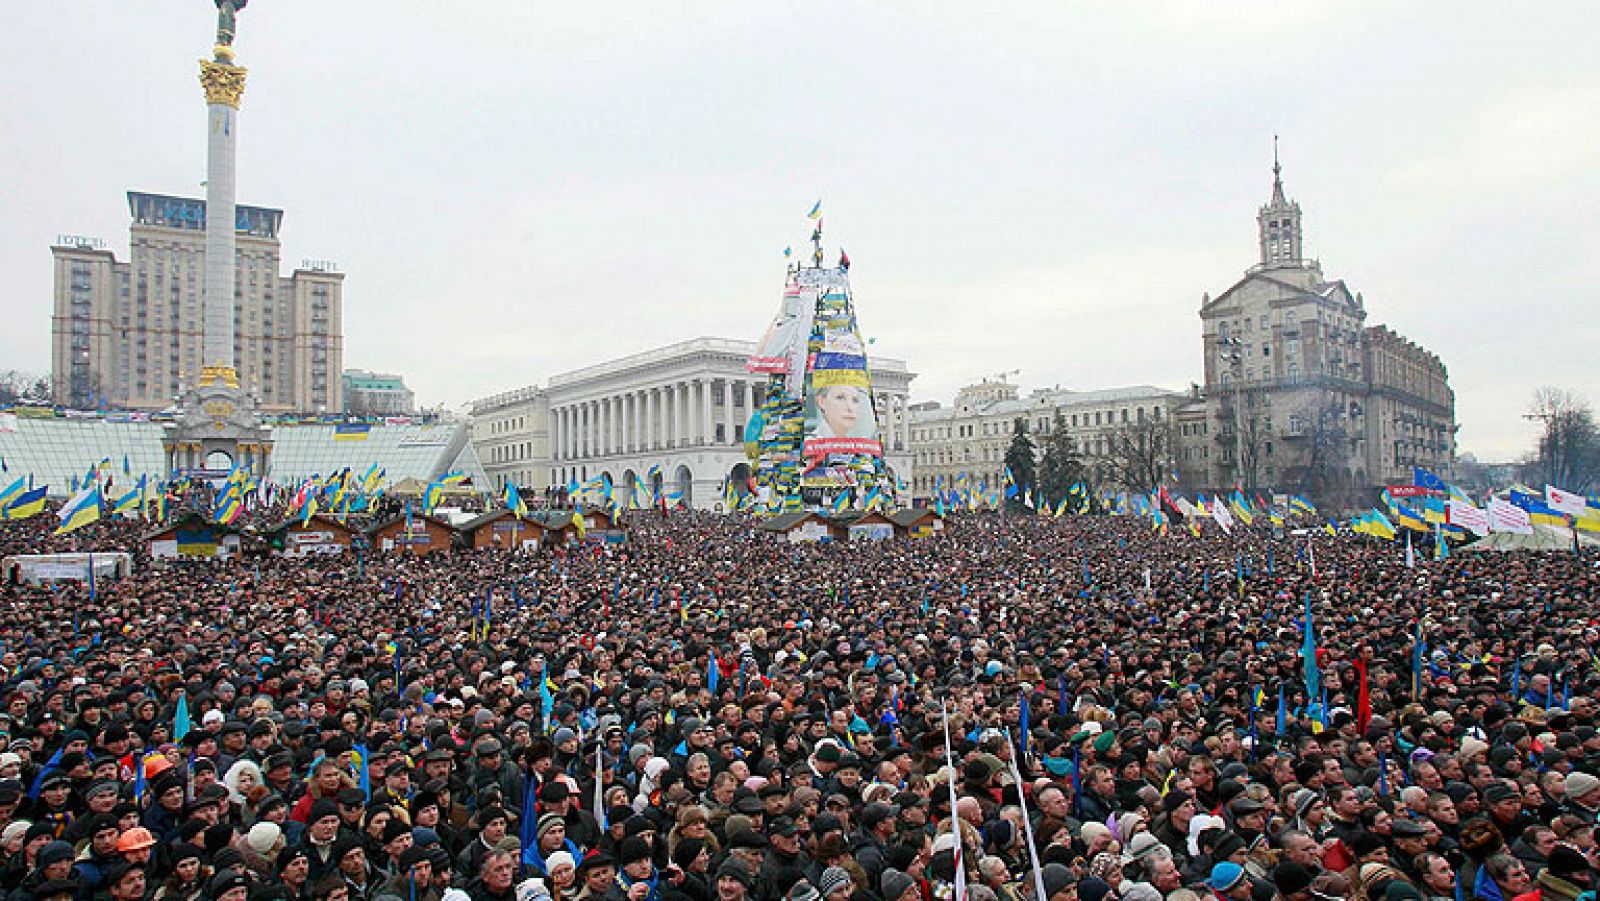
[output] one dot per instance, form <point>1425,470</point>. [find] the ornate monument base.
<point>217,429</point>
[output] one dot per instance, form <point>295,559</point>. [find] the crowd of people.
<point>1016,708</point>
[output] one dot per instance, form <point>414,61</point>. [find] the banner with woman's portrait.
<point>839,416</point>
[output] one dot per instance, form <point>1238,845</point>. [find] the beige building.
<point>677,411</point>
<point>511,433</point>
<point>130,335</point>
<point>970,437</point>
<point>1301,394</point>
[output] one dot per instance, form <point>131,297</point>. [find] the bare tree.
<point>19,386</point>
<point>1327,449</point>
<point>1243,437</point>
<point>1568,451</point>
<point>1139,454</point>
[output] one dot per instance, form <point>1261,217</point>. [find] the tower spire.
<point>1279,222</point>
<point>1277,174</point>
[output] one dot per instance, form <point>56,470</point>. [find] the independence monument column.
<point>218,428</point>
<point>224,85</point>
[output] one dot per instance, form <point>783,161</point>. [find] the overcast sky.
<point>519,188</point>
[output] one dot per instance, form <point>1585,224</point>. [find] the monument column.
<point>224,87</point>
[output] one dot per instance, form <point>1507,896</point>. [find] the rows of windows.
<point>1042,424</point>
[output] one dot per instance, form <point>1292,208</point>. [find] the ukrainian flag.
<point>24,505</point>
<point>1241,510</point>
<point>1373,523</point>
<point>1300,505</point>
<point>129,503</point>
<point>1433,510</point>
<point>1538,511</point>
<point>514,502</point>
<point>81,510</point>
<point>351,431</point>
<point>230,509</point>
<point>1411,519</point>
<point>13,491</point>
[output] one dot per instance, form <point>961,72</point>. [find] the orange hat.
<point>155,765</point>
<point>136,839</point>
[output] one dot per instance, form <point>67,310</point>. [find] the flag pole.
<point>959,879</point>
<point>1027,823</point>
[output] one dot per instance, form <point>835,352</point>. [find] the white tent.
<point>1544,538</point>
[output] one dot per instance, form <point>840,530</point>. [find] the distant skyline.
<point>515,190</point>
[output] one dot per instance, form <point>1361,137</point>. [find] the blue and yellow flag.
<point>514,502</point>
<point>132,501</point>
<point>81,510</point>
<point>25,505</point>
<point>12,491</point>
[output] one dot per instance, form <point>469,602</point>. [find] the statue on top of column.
<point>227,20</point>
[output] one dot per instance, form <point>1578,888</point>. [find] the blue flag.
<point>1308,650</point>
<point>180,719</point>
<point>547,702</point>
<point>713,678</point>
<point>1283,713</point>
<point>1023,715</point>
<point>1422,478</point>
<point>530,822</point>
<point>364,777</point>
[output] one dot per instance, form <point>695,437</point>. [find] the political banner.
<point>1508,517</point>
<point>1566,501</point>
<point>1463,514</point>
<point>839,416</point>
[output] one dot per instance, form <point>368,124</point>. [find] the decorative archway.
<point>683,483</point>
<point>219,461</point>
<point>739,479</point>
<point>629,488</point>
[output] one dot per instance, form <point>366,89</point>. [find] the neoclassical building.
<point>511,431</point>
<point>678,411</point>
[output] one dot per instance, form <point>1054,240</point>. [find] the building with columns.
<point>680,410</point>
<point>511,432</point>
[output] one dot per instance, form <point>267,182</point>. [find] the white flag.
<point>1505,516</point>
<point>1566,501</point>
<point>1219,512</point>
<point>1411,555</point>
<point>1464,514</point>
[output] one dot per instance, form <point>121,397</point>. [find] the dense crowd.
<point>708,712</point>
